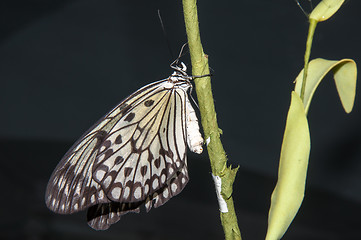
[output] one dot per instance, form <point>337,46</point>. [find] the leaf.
<point>345,73</point>
<point>325,9</point>
<point>289,191</point>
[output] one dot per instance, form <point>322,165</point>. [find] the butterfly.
<point>134,156</point>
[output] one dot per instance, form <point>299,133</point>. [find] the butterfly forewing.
<point>135,155</point>
<point>71,187</point>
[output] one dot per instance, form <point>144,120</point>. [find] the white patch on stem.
<point>222,203</point>
<point>208,140</point>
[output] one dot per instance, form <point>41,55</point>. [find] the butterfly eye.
<point>183,67</point>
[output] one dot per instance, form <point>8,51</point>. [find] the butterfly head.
<point>180,72</point>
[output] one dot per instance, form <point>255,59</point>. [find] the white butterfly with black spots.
<point>135,155</point>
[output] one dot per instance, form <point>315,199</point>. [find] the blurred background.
<point>65,63</point>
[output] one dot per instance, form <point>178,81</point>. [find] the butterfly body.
<point>135,155</point>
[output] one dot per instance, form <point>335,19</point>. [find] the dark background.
<point>64,64</point>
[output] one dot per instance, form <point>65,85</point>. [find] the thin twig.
<point>217,155</point>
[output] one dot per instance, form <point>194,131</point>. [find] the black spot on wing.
<point>150,156</point>
<point>168,153</point>
<point>134,147</point>
<point>143,170</point>
<point>129,117</point>
<point>148,103</point>
<point>118,159</point>
<point>118,140</point>
<point>107,144</point>
<point>124,107</point>
<point>127,171</point>
<point>108,153</point>
<point>157,163</point>
<point>100,136</point>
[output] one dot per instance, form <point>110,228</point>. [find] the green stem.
<point>311,31</point>
<point>217,155</point>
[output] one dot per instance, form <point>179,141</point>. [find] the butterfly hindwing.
<point>101,216</point>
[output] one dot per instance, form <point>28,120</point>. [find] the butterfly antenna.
<point>165,34</point>
<point>182,51</point>
<point>304,12</point>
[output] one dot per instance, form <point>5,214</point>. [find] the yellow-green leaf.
<point>289,191</point>
<point>345,73</point>
<point>325,9</point>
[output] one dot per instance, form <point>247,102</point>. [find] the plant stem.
<point>311,31</point>
<point>217,155</point>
